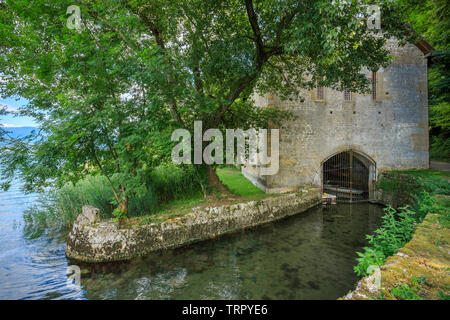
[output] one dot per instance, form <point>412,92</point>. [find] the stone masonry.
<point>390,133</point>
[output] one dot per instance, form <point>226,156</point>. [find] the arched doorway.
<point>348,175</point>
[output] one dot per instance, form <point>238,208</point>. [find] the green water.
<point>308,256</point>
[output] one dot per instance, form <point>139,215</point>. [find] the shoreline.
<point>95,241</point>
<point>421,267</point>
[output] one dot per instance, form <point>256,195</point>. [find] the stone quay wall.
<point>92,240</point>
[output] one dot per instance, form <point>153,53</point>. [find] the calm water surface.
<point>309,256</point>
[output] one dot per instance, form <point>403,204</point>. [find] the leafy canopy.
<point>108,95</point>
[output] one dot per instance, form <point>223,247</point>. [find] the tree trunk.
<point>123,204</point>
<point>214,181</point>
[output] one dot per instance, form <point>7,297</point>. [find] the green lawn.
<point>237,183</point>
<point>242,190</point>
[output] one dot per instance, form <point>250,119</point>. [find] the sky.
<point>15,121</point>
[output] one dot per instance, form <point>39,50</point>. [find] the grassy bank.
<point>241,190</point>
<point>237,183</point>
<point>419,270</point>
<point>57,209</point>
<point>172,192</point>
<point>428,195</point>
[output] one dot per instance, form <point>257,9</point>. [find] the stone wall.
<point>426,256</point>
<point>94,241</point>
<point>391,131</point>
<point>396,190</point>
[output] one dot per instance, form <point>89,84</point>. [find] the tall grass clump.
<point>57,209</point>
<point>169,182</point>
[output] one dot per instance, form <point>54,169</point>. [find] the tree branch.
<point>156,32</point>
<point>260,55</point>
<point>285,21</point>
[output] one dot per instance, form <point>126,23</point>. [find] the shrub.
<point>405,292</point>
<point>440,148</point>
<point>398,226</point>
<point>395,231</point>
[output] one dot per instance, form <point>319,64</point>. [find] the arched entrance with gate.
<point>349,176</point>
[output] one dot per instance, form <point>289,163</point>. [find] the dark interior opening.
<point>346,177</point>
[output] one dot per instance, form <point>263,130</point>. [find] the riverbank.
<point>92,240</point>
<point>420,270</point>
<point>408,257</point>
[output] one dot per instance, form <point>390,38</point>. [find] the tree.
<point>431,20</point>
<point>134,70</point>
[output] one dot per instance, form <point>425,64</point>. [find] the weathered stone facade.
<point>388,133</point>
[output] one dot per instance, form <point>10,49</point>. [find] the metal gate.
<point>346,177</point>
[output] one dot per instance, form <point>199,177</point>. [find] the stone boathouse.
<point>340,141</point>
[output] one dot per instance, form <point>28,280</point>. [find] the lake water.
<point>308,256</point>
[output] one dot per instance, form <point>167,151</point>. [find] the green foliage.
<point>396,182</point>
<point>443,295</point>
<point>402,185</point>
<point>57,209</point>
<point>395,231</point>
<point>440,146</point>
<point>169,182</point>
<point>409,292</point>
<point>405,292</point>
<point>370,257</point>
<point>108,96</point>
<point>431,19</point>
<point>398,225</point>
<point>118,214</point>
<point>427,175</point>
<point>380,296</point>
<point>420,281</point>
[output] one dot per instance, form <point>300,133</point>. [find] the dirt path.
<point>437,165</point>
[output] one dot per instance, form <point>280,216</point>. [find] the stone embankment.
<point>92,240</point>
<point>421,268</point>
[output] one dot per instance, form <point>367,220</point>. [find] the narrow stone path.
<point>437,165</point>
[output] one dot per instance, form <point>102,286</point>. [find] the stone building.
<point>340,141</point>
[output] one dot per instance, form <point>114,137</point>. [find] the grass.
<point>237,183</point>
<point>57,209</point>
<point>420,232</point>
<point>426,174</point>
<point>171,210</point>
<point>172,192</point>
<point>241,189</point>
